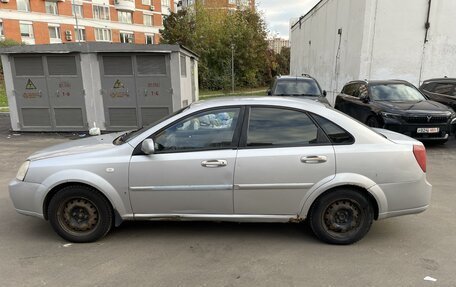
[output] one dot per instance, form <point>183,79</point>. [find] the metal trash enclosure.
<point>72,87</point>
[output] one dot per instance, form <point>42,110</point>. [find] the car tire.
<point>341,217</point>
<point>80,214</point>
<point>373,122</point>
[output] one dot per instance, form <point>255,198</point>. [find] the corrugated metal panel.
<point>29,66</point>
<point>151,65</point>
<point>117,65</point>
<point>36,117</point>
<point>122,117</point>
<point>150,115</point>
<point>61,65</point>
<point>68,117</point>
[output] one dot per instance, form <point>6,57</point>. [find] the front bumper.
<point>27,197</point>
<point>411,130</point>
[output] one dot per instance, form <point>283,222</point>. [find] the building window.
<point>54,34</point>
<point>51,7</point>
<point>80,34</point>
<point>27,32</point>
<point>77,11</point>
<point>145,2</point>
<point>1,31</point>
<point>102,35</point>
<point>101,12</point>
<point>232,1</point>
<point>149,39</point>
<point>165,3</point>
<point>23,5</point>
<point>125,17</point>
<point>126,37</point>
<point>148,20</point>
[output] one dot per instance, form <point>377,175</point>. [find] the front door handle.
<point>214,163</point>
<point>314,159</point>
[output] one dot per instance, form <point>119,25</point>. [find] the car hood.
<point>85,145</point>
<point>425,107</point>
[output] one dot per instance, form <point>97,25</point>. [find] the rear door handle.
<point>312,159</point>
<point>214,163</point>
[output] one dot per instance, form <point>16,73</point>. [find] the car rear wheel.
<point>343,216</point>
<point>80,214</point>
<point>372,122</point>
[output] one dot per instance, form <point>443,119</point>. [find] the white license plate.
<point>428,130</point>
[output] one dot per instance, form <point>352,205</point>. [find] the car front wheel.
<point>342,216</point>
<point>80,214</point>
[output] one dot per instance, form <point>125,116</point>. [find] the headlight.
<point>390,115</point>
<point>23,170</point>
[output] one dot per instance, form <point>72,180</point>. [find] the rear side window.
<point>275,127</point>
<point>350,89</point>
<point>336,134</point>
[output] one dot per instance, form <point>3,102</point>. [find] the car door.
<point>344,97</point>
<point>282,155</point>
<point>192,168</point>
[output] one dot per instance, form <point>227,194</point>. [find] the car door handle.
<point>312,159</point>
<point>214,163</point>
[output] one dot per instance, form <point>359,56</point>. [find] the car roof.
<point>380,82</point>
<point>288,77</point>
<point>264,101</point>
<point>440,80</point>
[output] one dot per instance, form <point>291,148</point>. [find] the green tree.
<point>212,34</point>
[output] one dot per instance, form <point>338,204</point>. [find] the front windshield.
<point>395,93</point>
<point>127,136</point>
<point>297,87</point>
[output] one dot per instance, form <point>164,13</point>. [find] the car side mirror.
<point>364,98</point>
<point>148,146</point>
<point>269,92</point>
<point>324,93</point>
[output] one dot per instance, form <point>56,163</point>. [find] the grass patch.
<point>3,99</point>
<point>205,94</point>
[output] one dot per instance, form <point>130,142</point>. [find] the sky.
<point>278,13</point>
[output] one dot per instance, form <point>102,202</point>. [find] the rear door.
<point>283,155</point>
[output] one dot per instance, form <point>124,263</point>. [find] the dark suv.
<point>441,90</point>
<point>292,86</point>
<point>396,105</point>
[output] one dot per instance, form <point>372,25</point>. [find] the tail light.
<point>420,154</point>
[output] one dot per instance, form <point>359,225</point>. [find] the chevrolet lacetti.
<point>240,159</point>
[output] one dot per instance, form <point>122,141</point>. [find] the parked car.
<point>242,159</point>
<point>399,106</point>
<point>441,90</point>
<point>303,87</point>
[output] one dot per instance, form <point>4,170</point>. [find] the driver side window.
<point>207,130</point>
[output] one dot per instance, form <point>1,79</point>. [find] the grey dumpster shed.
<point>73,87</point>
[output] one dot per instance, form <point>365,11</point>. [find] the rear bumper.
<point>406,198</point>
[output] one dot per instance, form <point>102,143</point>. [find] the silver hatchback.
<point>239,159</point>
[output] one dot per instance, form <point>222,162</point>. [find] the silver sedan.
<point>239,159</point>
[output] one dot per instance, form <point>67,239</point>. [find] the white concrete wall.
<point>315,46</point>
<point>381,39</point>
<point>398,39</point>
<point>440,52</point>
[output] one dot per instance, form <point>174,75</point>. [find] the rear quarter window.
<point>335,133</point>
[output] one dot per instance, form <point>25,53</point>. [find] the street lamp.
<point>232,68</point>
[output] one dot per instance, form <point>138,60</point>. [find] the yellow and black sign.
<point>30,85</point>
<point>118,85</point>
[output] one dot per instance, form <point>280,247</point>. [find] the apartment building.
<point>277,44</point>
<point>219,4</point>
<point>62,21</point>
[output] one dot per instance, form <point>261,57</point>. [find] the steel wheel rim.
<point>342,217</point>
<point>78,216</point>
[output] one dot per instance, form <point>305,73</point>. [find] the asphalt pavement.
<point>399,251</point>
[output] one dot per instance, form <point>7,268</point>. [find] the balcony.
<point>125,5</point>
